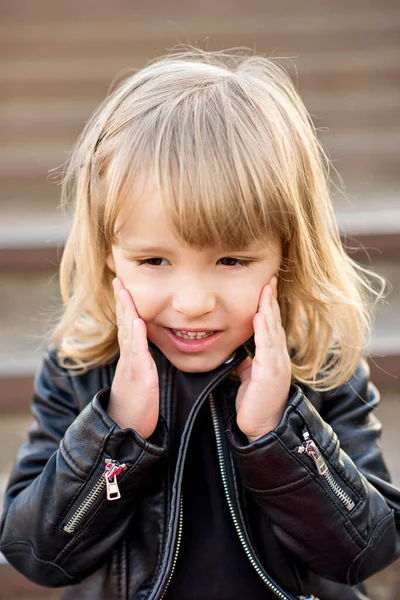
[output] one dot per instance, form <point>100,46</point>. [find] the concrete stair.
<point>58,61</point>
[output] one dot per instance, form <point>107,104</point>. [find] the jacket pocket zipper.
<point>107,480</point>
<point>310,448</point>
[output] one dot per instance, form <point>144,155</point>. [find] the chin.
<point>195,364</point>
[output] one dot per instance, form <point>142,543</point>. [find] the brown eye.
<point>229,261</point>
<point>153,262</point>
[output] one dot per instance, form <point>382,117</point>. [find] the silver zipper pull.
<point>113,492</point>
<point>113,468</point>
<point>310,448</point>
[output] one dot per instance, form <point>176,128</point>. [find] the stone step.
<point>278,33</point>
<point>28,304</point>
<point>22,11</point>
<point>27,122</point>
<point>368,212</point>
<point>366,70</point>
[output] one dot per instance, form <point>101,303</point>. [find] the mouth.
<point>191,341</point>
<point>192,334</point>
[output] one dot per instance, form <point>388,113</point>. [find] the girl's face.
<point>178,290</point>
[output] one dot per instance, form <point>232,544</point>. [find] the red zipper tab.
<point>112,470</point>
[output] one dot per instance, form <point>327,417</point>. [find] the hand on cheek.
<point>265,380</point>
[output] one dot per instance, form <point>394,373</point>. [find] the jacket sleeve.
<point>332,506</point>
<point>57,482</point>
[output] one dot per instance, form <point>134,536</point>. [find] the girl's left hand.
<point>265,380</point>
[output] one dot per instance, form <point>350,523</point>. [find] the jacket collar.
<point>198,382</point>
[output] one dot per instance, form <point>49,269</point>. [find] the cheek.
<point>147,299</point>
<point>244,303</point>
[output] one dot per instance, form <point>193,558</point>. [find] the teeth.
<point>192,335</point>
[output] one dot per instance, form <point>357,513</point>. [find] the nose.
<point>193,301</point>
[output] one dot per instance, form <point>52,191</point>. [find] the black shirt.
<point>212,564</point>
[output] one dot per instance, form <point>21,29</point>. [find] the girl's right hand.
<point>134,397</point>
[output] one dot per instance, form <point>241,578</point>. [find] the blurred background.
<point>57,60</point>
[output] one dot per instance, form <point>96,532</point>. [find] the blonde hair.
<point>236,159</point>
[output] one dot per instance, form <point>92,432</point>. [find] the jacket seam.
<point>333,445</point>
<point>373,542</point>
<point>63,449</point>
<point>287,488</point>
<point>147,447</point>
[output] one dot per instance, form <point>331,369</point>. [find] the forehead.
<point>146,219</point>
<point>143,216</point>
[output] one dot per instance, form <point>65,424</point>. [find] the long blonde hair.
<point>236,159</point>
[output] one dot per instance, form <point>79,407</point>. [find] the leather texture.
<point>300,531</point>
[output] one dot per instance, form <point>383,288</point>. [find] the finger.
<point>274,286</point>
<point>128,305</point>
<point>126,323</point>
<point>119,313</point>
<point>268,311</point>
<point>139,346</point>
<point>126,298</point>
<point>263,341</point>
<point>264,299</point>
<point>275,303</point>
<point>266,304</point>
<point>126,314</point>
<point>118,286</point>
<point>133,329</point>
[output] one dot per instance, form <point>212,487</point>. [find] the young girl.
<point>203,418</point>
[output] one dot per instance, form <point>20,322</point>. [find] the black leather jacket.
<point>311,500</point>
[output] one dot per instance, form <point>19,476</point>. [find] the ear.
<point>110,263</point>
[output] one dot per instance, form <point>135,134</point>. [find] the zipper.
<point>310,448</point>
<point>253,560</point>
<point>178,543</point>
<point>107,480</point>
<point>155,596</point>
